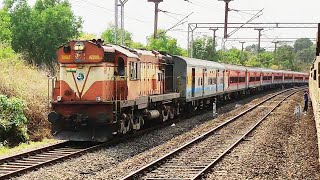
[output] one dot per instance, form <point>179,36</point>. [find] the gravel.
<point>119,160</point>
<point>282,147</point>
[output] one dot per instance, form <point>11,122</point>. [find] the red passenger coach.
<point>254,77</point>
<point>299,77</point>
<point>236,76</point>
<point>266,77</point>
<point>277,77</point>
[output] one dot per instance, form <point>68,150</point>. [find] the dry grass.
<point>18,79</point>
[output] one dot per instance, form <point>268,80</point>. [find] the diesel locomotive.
<point>104,89</point>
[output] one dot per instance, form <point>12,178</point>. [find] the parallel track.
<point>196,157</point>
<point>31,160</point>
<point>21,163</point>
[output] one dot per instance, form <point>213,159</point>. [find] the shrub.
<point>28,83</point>
<point>13,123</point>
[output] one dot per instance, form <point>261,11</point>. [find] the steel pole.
<point>188,39</point>
<point>115,21</point>
<point>192,43</point>
<point>122,23</point>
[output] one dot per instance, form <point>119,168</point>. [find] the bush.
<point>28,83</point>
<point>13,123</point>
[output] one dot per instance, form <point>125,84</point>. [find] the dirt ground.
<point>282,147</point>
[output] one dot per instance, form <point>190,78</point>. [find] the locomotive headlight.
<point>59,98</point>
<point>98,99</point>
<point>78,46</point>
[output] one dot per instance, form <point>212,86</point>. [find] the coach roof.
<point>200,62</point>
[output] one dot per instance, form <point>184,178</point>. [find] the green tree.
<point>137,45</point>
<point>109,36</point>
<point>5,24</point>
<point>232,56</point>
<point>164,43</point>
<point>38,31</point>
<point>285,57</point>
<point>252,62</point>
<point>266,58</point>
<point>301,44</point>
<point>203,48</point>
<point>87,36</point>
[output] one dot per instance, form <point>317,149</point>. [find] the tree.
<point>231,56</point>
<point>5,24</point>
<point>301,44</point>
<point>164,43</point>
<point>38,31</point>
<point>109,36</point>
<point>203,48</point>
<point>86,36</point>
<point>137,45</point>
<point>285,57</point>
<point>266,59</point>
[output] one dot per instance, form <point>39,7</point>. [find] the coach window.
<point>121,71</point>
<point>133,71</point>
<point>315,72</point>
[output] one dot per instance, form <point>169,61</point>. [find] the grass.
<point>20,80</point>
<point>7,151</point>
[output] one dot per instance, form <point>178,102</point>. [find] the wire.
<point>109,10</point>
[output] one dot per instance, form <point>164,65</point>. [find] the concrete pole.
<point>242,47</point>
<point>259,38</point>
<point>226,14</point>
<point>214,38</point>
<point>156,12</point>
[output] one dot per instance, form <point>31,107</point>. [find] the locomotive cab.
<point>100,86</point>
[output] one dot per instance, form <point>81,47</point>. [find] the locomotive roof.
<point>120,49</point>
<point>200,62</point>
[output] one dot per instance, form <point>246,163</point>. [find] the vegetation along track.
<point>196,157</point>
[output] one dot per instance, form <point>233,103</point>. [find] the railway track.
<point>196,157</point>
<point>31,160</point>
<point>21,163</point>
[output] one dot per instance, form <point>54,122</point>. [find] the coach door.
<point>193,88</point>
<point>203,80</point>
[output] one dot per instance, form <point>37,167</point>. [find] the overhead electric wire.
<point>251,19</point>
<point>112,11</point>
<point>177,24</point>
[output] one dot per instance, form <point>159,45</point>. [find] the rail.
<point>163,168</point>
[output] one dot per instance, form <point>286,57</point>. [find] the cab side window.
<point>134,71</point>
<point>121,70</point>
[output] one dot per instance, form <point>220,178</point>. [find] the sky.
<point>139,18</point>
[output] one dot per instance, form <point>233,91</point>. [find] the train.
<point>103,89</point>
<point>314,86</point>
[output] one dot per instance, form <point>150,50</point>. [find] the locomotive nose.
<point>53,117</point>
